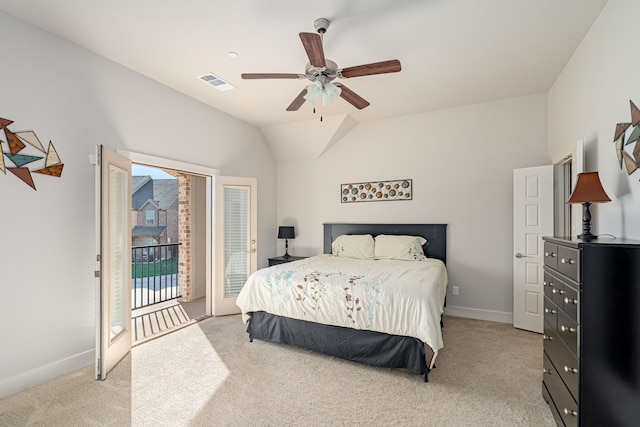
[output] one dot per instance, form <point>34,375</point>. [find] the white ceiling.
<point>453,52</point>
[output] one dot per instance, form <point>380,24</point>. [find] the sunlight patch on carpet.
<point>160,393</point>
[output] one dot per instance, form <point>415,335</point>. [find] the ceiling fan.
<point>322,71</point>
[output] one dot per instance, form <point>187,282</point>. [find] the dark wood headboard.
<point>436,235</point>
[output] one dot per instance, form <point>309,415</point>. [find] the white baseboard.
<point>41,374</point>
<point>474,313</point>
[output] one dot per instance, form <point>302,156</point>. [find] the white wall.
<point>461,162</point>
<point>78,99</point>
<point>587,101</point>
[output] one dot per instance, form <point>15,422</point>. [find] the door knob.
<point>519,255</point>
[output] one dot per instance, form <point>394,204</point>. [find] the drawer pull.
<point>567,329</point>
<point>570,370</point>
<point>570,301</point>
<point>550,310</point>
<point>549,254</point>
<point>567,261</point>
<point>570,412</point>
<point>547,337</point>
<point>546,371</point>
<point>550,284</point>
<point>557,291</point>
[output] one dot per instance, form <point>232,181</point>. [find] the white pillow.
<point>399,247</point>
<point>358,246</point>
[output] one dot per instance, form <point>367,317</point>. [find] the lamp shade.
<point>331,93</point>
<point>588,189</point>
<point>314,91</point>
<point>286,232</point>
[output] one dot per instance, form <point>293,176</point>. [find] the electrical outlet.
<point>455,290</point>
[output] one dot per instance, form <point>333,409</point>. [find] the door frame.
<point>577,156</point>
<point>209,174</point>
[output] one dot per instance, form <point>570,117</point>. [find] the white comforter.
<point>391,296</point>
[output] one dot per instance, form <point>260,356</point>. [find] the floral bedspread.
<point>391,296</point>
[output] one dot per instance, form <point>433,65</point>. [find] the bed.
<point>383,312</point>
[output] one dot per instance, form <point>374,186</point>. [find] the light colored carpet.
<point>208,374</point>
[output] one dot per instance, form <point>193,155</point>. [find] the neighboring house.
<point>154,211</point>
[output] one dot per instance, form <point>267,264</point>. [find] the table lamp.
<point>588,190</point>
<point>286,233</point>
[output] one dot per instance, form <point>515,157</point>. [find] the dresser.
<point>591,358</point>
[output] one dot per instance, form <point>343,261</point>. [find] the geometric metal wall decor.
<point>629,151</point>
<point>375,191</point>
<point>24,149</point>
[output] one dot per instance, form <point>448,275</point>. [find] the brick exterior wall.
<point>184,235</point>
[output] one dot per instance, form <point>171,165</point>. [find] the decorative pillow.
<point>399,247</point>
<point>358,246</point>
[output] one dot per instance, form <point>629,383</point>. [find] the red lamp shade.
<point>588,189</point>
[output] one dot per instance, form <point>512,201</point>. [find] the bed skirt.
<point>368,347</point>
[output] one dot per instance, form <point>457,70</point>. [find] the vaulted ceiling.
<point>453,52</point>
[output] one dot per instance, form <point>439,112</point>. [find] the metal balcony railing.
<point>154,274</point>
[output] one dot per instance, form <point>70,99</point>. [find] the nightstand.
<point>282,260</point>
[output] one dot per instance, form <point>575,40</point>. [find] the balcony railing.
<point>154,274</point>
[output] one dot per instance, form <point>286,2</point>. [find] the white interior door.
<point>236,255</point>
<point>113,207</point>
<point>532,219</point>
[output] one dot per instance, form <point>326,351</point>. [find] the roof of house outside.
<point>138,181</point>
<point>164,192</point>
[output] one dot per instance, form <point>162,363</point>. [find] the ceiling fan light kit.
<point>322,71</point>
<point>328,91</point>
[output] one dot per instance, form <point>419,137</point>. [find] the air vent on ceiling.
<point>216,82</point>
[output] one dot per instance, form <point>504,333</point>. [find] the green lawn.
<point>159,268</point>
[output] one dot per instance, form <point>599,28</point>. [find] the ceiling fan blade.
<point>272,76</point>
<point>297,103</point>
<point>312,43</point>
<point>392,66</point>
<point>352,98</point>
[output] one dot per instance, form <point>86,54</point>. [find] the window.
<point>151,217</point>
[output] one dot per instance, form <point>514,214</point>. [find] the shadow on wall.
<point>622,191</point>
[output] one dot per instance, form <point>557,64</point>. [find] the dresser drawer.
<point>557,289</point>
<point>567,407</point>
<point>551,255</point>
<point>553,344</point>
<point>562,358</point>
<point>568,331</point>
<point>568,367</point>
<point>554,411</point>
<point>550,312</point>
<point>559,394</point>
<point>570,302</point>
<point>550,283</point>
<point>568,260</point>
